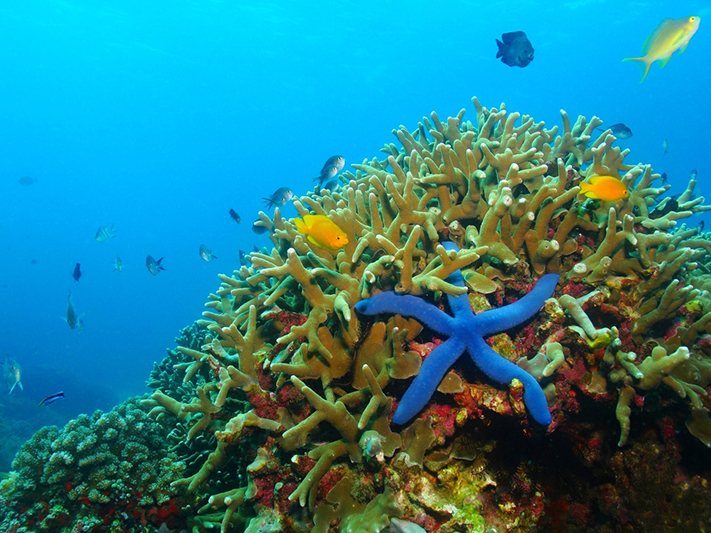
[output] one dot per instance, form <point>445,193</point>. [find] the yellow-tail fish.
<point>12,373</point>
<point>671,35</point>
<point>322,231</point>
<point>605,188</point>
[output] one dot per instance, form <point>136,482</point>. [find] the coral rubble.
<point>282,400</point>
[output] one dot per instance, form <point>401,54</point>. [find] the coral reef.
<point>282,397</point>
<point>104,472</point>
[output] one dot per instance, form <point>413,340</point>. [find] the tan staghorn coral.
<point>300,389</point>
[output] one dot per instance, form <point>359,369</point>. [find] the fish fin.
<point>652,36</point>
<point>314,241</point>
<point>12,388</point>
<point>646,66</point>
<point>509,37</point>
<point>664,60</point>
<point>300,226</point>
<point>587,190</point>
<point>310,220</point>
<point>502,49</point>
<point>20,384</point>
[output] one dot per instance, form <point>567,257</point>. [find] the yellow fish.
<point>604,188</point>
<point>671,35</point>
<point>322,231</point>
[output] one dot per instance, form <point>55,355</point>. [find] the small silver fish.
<point>72,318</point>
<point>105,233</point>
<point>206,253</point>
<point>665,145</point>
<point>13,374</point>
<point>694,174</point>
<point>153,266</point>
<point>118,264</point>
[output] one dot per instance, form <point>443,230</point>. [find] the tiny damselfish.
<point>605,188</point>
<point>322,231</point>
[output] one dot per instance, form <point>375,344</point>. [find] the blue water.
<point>160,116</point>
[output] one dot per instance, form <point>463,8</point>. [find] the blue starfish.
<point>465,331</point>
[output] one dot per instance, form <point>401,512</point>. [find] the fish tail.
<point>502,48</point>
<point>647,64</point>
<point>300,226</point>
<point>584,187</point>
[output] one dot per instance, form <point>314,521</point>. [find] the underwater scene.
<point>358,267</point>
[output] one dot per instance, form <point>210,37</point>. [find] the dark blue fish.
<point>244,259</point>
<point>77,272</point>
<point>26,181</point>
<point>665,206</point>
<point>235,216</point>
<point>52,398</point>
<point>153,266</point>
<point>332,185</point>
<point>515,50</point>
<point>665,178</point>
<point>619,130</point>
<point>258,227</point>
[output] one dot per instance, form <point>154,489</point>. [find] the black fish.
<point>664,207</point>
<point>258,228</point>
<point>235,216</point>
<point>515,50</point>
<point>620,131</point>
<point>701,227</point>
<point>77,273</point>
<point>665,179</point>
<point>153,266</point>
<point>52,398</point>
<point>244,259</point>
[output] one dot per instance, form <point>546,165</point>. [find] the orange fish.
<point>322,231</point>
<point>671,35</point>
<point>604,188</point>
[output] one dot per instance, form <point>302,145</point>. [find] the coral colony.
<point>324,390</point>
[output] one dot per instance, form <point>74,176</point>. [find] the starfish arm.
<point>503,371</point>
<point>426,382</point>
<point>503,318</point>
<point>407,305</point>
